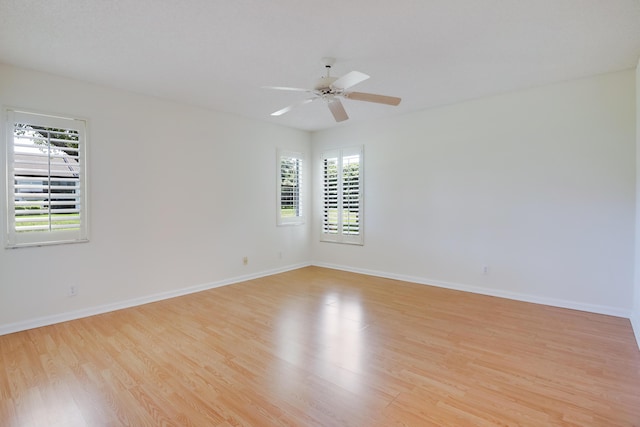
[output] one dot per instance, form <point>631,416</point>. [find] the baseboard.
<point>106,308</point>
<point>92,311</point>
<point>592,308</point>
<point>635,325</point>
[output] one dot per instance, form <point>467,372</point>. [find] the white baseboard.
<point>92,311</point>
<point>592,308</point>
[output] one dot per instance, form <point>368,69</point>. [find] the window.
<point>46,199</point>
<point>342,196</point>
<point>289,207</point>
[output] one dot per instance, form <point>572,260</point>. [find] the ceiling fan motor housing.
<point>324,84</point>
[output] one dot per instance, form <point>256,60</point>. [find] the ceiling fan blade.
<point>296,89</point>
<point>292,106</point>
<point>349,79</point>
<point>337,109</point>
<point>371,97</point>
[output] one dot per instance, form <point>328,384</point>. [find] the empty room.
<point>298,213</point>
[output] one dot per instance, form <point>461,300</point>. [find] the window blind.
<point>342,206</point>
<point>46,179</point>
<point>290,198</point>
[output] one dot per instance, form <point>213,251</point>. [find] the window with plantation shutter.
<point>342,196</point>
<point>46,179</point>
<point>289,207</point>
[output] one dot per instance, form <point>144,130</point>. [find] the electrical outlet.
<point>485,269</point>
<point>245,260</point>
<point>72,291</point>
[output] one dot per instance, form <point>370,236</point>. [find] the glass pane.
<point>290,181</point>
<point>46,178</point>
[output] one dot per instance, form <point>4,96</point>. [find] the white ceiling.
<point>219,53</point>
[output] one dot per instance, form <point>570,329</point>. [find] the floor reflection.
<point>340,330</point>
<point>332,342</point>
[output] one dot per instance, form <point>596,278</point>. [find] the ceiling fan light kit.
<point>331,89</point>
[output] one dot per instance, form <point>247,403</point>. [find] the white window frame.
<point>298,198</point>
<point>333,228</point>
<point>16,236</point>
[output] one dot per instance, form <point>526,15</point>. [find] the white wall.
<point>539,185</point>
<point>178,196</point>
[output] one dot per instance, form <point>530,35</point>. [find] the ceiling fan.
<point>331,89</point>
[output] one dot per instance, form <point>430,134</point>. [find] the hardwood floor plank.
<point>320,347</point>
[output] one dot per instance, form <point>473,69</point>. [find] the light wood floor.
<point>318,347</point>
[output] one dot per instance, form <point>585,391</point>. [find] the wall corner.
<point>635,315</point>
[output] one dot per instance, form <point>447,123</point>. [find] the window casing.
<point>290,209</point>
<point>46,198</point>
<point>342,196</point>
